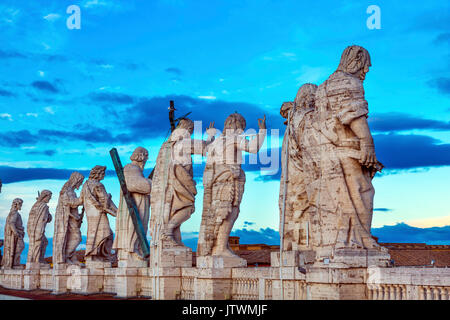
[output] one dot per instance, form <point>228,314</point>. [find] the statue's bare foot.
<point>169,241</point>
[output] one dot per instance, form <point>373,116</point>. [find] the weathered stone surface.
<point>68,221</point>
<point>98,204</point>
<point>223,181</point>
<point>14,233</point>
<point>174,189</point>
<point>126,243</point>
<point>37,220</point>
<point>326,193</point>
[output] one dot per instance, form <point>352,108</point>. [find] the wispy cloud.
<point>52,17</point>
<point>6,93</point>
<point>207,97</point>
<point>45,86</point>
<point>402,232</point>
<point>44,152</point>
<point>6,116</point>
<point>396,121</point>
<point>398,151</point>
<point>174,70</point>
<point>112,97</point>
<point>49,110</point>
<point>11,54</point>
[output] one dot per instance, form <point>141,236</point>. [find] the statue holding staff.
<point>126,242</point>
<point>173,185</point>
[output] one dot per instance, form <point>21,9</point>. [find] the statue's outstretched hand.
<point>211,131</point>
<point>262,123</point>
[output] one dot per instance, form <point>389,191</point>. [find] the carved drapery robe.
<point>99,235</point>
<point>223,181</point>
<point>342,193</point>
<point>13,243</point>
<point>296,221</point>
<point>126,237</point>
<point>37,220</point>
<point>173,186</point>
<point>67,235</point>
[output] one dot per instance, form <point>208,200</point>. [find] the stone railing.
<point>187,288</point>
<point>399,283</point>
<point>408,283</point>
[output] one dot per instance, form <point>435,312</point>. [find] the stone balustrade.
<point>399,283</point>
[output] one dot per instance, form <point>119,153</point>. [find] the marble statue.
<point>126,242</point>
<point>293,200</point>
<point>98,204</point>
<point>173,185</point>
<point>223,182</point>
<point>68,221</point>
<point>337,155</point>
<point>37,221</point>
<point>14,233</point>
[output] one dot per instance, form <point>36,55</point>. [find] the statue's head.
<point>285,108</point>
<point>16,204</point>
<point>76,180</point>
<point>356,61</point>
<point>139,154</point>
<point>97,173</point>
<point>235,123</point>
<point>44,196</point>
<point>306,96</point>
<point>186,124</point>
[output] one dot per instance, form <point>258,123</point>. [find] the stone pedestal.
<point>126,282</point>
<point>292,258</point>
<point>13,278</point>
<point>221,262</point>
<point>131,260</point>
<point>84,280</point>
<point>166,283</point>
<point>31,279</point>
<point>213,284</point>
<point>336,283</point>
<point>60,276</point>
<point>170,257</point>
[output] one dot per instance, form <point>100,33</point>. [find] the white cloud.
<point>49,110</point>
<point>46,46</point>
<point>41,73</point>
<point>8,15</point>
<point>110,4</point>
<point>207,97</point>
<point>31,114</point>
<point>6,116</point>
<point>106,66</point>
<point>52,17</point>
<point>290,55</point>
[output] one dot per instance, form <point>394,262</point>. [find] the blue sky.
<point>68,96</point>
